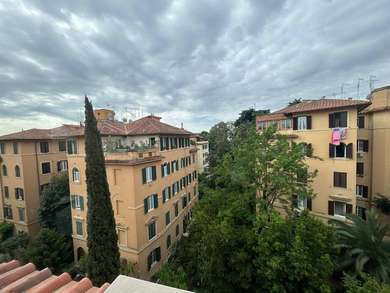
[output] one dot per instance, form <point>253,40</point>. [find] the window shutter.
<point>350,151</point>
<point>164,196</point>
<point>343,119</point>
<point>162,171</point>
<point>365,191</point>
<point>308,121</point>
<point>365,145</point>
<point>331,150</point>
<point>331,120</point>
<point>295,123</point>
<point>149,261</point>
<point>294,201</point>
<point>143,175</point>
<point>153,172</point>
<point>72,203</point>
<point>155,199</point>
<point>81,198</point>
<point>309,203</point>
<point>169,192</point>
<point>330,208</point>
<point>58,166</point>
<point>146,208</point>
<point>161,144</point>
<point>343,180</point>
<point>158,253</point>
<point>348,209</point>
<point>169,168</point>
<point>336,179</point>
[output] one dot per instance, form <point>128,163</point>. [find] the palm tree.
<point>364,248</point>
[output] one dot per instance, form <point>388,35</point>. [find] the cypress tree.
<point>103,255</point>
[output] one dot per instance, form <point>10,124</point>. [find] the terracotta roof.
<point>134,162</point>
<point>271,117</point>
<point>15,277</point>
<point>148,125</point>
<point>322,104</point>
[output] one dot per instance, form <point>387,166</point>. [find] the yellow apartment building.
<point>28,160</point>
<point>352,137</point>
<point>152,176</point>
<point>202,154</point>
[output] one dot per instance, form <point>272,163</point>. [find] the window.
<point>189,196</point>
<point>360,122</point>
<point>262,125</point>
<point>169,241</point>
<point>362,145</point>
<point>176,206</point>
<point>285,124</point>
<point>6,192</point>
<point>2,148</point>
<point>79,228</point>
<point>75,175</point>
<point>61,145</point>
<point>154,257</point>
<point>166,193</point>
<point>72,146</point>
<point>15,147</point>
<point>338,119</point>
<point>361,212</point>
<point>148,174</point>
<point>302,123</point>
<point>362,190</point>
<point>4,170</point>
<point>22,214</point>
<point>17,171</point>
<point>360,169</point>
<point>341,151</point>
<point>62,165</point>
<point>177,230</point>
<point>165,169</point>
<point>167,218</point>
<point>77,202</point>
<point>46,168</point>
<point>122,237</point>
<point>151,230</point>
<point>150,203</point>
<point>44,146</point>
<point>338,208</point>
<point>184,201</point>
<point>8,212</point>
<point>19,193</point>
<point>152,141</point>
<point>301,203</point>
<point>340,179</point>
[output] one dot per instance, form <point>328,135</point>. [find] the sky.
<point>191,62</point>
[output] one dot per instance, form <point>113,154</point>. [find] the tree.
<point>270,167</point>
<point>54,203</point>
<point>50,249</point>
<point>249,116</point>
<point>172,275</point>
<point>363,246</point>
<point>220,136</point>
<point>295,101</point>
<point>368,285</point>
<point>102,241</point>
<point>14,246</point>
<point>293,254</point>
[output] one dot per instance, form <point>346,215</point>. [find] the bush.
<point>14,246</point>
<point>50,249</point>
<point>6,230</point>
<point>172,275</point>
<point>366,285</point>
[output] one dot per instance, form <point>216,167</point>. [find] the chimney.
<point>181,126</point>
<point>124,119</point>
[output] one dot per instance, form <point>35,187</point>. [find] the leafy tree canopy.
<point>367,285</point>
<point>249,116</point>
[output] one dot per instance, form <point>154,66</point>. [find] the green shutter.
<point>153,172</point>
<point>146,208</point>
<point>158,253</point>
<point>72,201</point>
<point>155,198</point>
<point>143,176</point>
<point>81,202</point>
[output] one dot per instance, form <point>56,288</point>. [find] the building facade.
<point>203,154</point>
<point>152,175</point>
<point>351,137</point>
<point>28,160</point>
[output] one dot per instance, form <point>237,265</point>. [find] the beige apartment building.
<point>28,160</point>
<point>203,153</point>
<point>352,137</point>
<point>152,176</point>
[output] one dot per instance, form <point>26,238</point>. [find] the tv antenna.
<point>371,82</point>
<point>358,87</point>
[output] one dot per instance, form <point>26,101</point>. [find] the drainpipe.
<point>37,166</point>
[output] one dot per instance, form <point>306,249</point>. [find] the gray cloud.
<point>195,62</point>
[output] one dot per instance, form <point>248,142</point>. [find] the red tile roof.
<point>148,125</point>
<point>15,277</point>
<point>271,117</point>
<point>322,104</point>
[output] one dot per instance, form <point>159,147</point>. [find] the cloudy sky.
<point>196,62</point>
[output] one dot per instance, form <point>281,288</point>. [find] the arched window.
<point>17,171</point>
<point>76,175</point>
<point>5,173</point>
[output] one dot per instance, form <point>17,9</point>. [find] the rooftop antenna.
<point>371,82</point>
<point>358,87</point>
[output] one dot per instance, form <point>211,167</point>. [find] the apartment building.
<point>352,138</point>
<point>152,174</point>
<point>203,153</point>
<point>28,160</point>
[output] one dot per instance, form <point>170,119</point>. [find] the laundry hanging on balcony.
<point>343,133</point>
<point>336,136</point>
